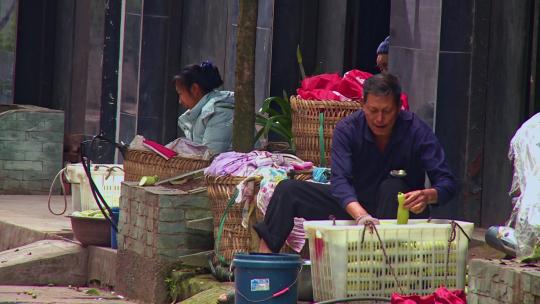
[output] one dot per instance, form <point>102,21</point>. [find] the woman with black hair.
<point>209,118</point>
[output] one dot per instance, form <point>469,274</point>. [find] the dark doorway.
<point>34,65</point>
<point>368,24</point>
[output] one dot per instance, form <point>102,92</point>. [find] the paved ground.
<point>31,211</point>
<point>31,294</point>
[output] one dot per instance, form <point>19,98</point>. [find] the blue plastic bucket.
<point>266,278</point>
<point>114,217</point>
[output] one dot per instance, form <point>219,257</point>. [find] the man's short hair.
<point>383,84</point>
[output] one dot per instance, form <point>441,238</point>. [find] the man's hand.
<point>416,201</point>
<point>366,218</point>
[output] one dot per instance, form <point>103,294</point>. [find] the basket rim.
<point>150,153</point>
<point>326,103</point>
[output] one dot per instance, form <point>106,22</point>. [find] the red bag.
<point>352,84</point>
<point>321,94</point>
<point>323,81</point>
<point>440,296</point>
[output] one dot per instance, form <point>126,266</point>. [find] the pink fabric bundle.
<point>334,87</point>
<point>440,296</point>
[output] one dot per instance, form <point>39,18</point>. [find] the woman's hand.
<point>416,201</point>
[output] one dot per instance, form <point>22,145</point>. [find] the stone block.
<point>42,155</point>
<point>149,238</point>
<point>168,201</point>
<point>44,262</point>
<point>24,146</point>
<point>23,165</point>
<point>170,241</point>
<point>12,135</point>
<point>170,228</point>
<point>492,281</point>
<point>100,262</point>
<point>197,213</point>
<point>17,125</point>
<point>149,226</point>
<point>10,185</point>
<point>12,174</point>
<point>30,175</point>
<point>142,278</point>
<point>45,136</point>
<point>52,147</point>
<point>10,155</point>
<point>141,222</point>
<point>137,247</point>
<point>171,214</point>
<point>56,125</point>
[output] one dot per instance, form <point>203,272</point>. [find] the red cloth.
<point>323,81</point>
<point>440,296</point>
<point>321,94</point>
<point>404,102</point>
<point>352,84</point>
<point>159,149</point>
<point>333,87</point>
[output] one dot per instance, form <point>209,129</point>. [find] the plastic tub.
<point>266,278</point>
<point>343,266</point>
<point>108,179</point>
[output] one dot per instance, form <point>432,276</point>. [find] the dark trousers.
<point>313,201</point>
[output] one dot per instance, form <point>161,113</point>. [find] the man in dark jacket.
<point>368,146</point>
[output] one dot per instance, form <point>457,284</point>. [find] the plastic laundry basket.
<point>343,266</point>
<point>108,179</point>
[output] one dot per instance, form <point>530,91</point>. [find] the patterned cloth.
<point>272,168</point>
<point>271,177</point>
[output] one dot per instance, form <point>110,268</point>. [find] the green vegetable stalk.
<point>402,213</point>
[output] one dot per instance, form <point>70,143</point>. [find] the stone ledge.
<point>504,282</point>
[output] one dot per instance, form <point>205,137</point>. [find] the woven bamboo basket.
<point>236,238</point>
<point>305,125</point>
<point>138,163</point>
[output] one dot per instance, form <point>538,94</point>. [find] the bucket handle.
<point>276,294</point>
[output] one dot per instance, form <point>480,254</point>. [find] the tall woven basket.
<point>138,163</point>
<point>306,121</point>
<point>235,238</point>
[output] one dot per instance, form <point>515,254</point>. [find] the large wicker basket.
<point>235,238</point>
<point>138,163</point>
<point>305,125</point>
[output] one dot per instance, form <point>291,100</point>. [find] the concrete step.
<point>45,262</point>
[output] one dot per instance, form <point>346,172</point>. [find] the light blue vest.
<point>210,122</point>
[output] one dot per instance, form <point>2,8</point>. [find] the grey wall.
<point>465,66</point>
<point>506,94</point>
<point>415,30</point>
<point>78,54</point>
<point>151,44</point>
<point>209,33</point>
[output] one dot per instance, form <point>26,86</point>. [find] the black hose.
<point>98,197</point>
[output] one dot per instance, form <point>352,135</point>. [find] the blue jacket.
<point>358,167</point>
<point>210,122</point>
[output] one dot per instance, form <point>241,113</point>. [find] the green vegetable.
<point>402,213</point>
<point>148,180</point>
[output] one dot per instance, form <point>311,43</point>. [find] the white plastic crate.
<point>108,179</point>
<point>343,266</point>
